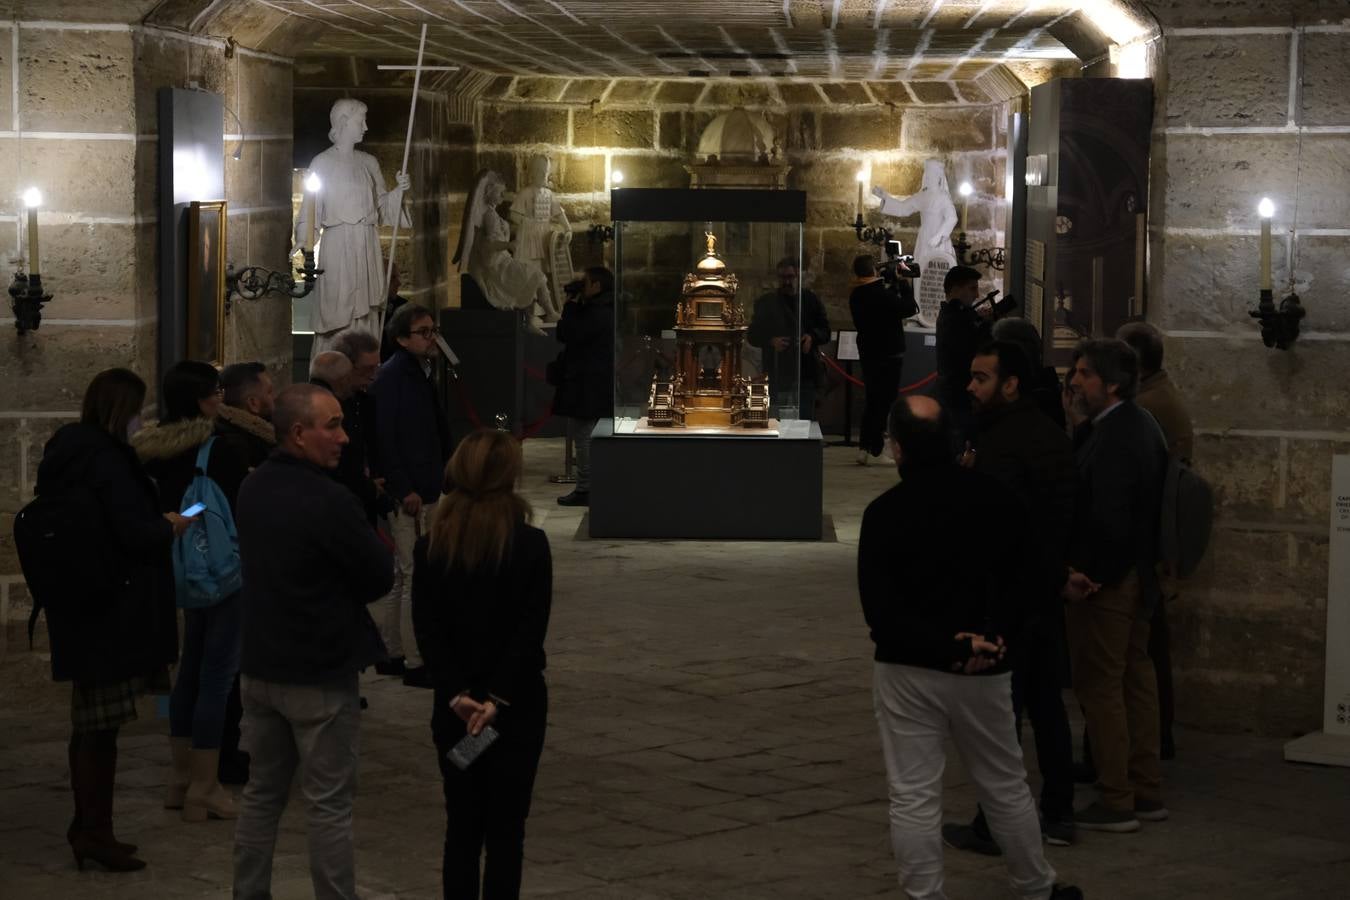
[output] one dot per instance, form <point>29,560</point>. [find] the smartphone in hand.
<point>470,747</point>
<point>195,509</point>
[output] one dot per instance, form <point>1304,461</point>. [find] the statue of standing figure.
<point>933,249</point>
<point>351,204</point>
<point>484,252</point>
<point>538,216</point>
<point>936,211</point>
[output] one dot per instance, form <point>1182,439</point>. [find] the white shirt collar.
<point>1106,412</point>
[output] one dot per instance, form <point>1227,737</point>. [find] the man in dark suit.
<point>1122,461</point>
<point>413,443</point>
<point>787,347</point>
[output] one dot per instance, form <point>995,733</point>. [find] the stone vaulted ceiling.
<point>796,39</point>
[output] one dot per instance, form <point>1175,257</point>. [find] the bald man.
<point>312,564</point>
<point>942,607</point>
<point>332,369</point>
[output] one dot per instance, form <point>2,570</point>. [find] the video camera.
<point>1001,307</point>
<point>896,265</point>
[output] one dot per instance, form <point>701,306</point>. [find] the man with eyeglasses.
<point>412,442</point>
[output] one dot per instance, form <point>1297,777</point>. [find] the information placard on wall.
<point>1331,746</point>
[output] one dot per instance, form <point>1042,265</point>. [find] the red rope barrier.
<point>917,385</point>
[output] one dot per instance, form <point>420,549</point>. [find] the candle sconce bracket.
<point>255,282</point>
<point>27,295</point>
<point>1279,324</point>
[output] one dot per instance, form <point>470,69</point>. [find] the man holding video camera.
<point>879,311</point>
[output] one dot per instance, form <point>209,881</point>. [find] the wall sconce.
<point>255,282</point>
<point>1279,325</point>
<point>616,178</point>
<point>26,292</point>
<point>993,257</point>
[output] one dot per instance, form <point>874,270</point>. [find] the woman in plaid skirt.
<point>101,570</point>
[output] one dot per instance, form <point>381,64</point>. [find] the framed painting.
<point>206,281</point>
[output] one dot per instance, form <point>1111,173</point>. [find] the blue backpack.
<point>206,566</point>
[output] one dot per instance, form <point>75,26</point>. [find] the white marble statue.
<point>484,251</point>
<point>349,208</point>
<point>937,214</point>
<point>537,216</point>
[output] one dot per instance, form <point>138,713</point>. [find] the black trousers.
<point>487,804</point>
<point>881,378</point>
<point>1038,684</point>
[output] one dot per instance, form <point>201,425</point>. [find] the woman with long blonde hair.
<point>482,588</point>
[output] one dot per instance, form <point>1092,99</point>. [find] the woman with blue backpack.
<point>191,466</point>
<point>110,618</point>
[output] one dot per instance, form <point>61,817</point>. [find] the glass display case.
<point>707,312</point>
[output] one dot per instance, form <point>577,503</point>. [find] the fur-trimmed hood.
<point>167,441</point>
<point>248,422</point>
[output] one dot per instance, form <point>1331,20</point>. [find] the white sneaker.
<point>864,457</point>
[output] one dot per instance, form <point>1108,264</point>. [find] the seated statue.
<point>484,252</point>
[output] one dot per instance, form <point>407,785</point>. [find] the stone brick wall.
<point>440,164</point>
<point>84,132</point>
<point>649,129</point>
<point>1251,106</point>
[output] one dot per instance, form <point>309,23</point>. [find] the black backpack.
<point>1187,518</point>
<point>67,553</point>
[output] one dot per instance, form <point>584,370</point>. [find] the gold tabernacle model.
<point>708,389</point>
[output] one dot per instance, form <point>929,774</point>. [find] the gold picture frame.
<point>206,281</point>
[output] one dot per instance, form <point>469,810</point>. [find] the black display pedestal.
<point>685,486</point>
<point>501,368</point>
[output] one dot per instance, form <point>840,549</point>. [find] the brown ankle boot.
<point>206,798</point>
<point>93,776</point>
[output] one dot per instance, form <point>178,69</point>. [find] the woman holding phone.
<point>482,589</point>
<point>109,607</point>
<point>192,398</point>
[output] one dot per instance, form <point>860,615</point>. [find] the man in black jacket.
<point>942,612</point>
<point>1122,461</point>
<point>586,378</point>
<point>774,330</point>
<point>413,444</point>
<point>332,370</point>
<point>358,419</point>
<point>961,329</point>
<point>1016,444</point>
<point>879,315</point>
<point>244,419</point>
<point>311,566</point>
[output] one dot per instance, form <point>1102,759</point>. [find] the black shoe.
<point>1065,892</point>
<point>1084,773</point>
<point>394,665</point>
<point>964,837</point>
<point>417,678</point>
<point>233,768</point>
<point>1102,818</point>
<point>576,498</point>
<point>1058,832</point>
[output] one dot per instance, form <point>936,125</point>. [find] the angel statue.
<point>538,217</point>
<point>484,252</point>
<point>937,215</point>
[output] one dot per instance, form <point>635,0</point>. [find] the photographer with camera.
<point>879,311</point>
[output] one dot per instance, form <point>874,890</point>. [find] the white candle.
<point>312,185</point>
<point>966,190</point>
<point>1267,209</point>
<point>32,198</point>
